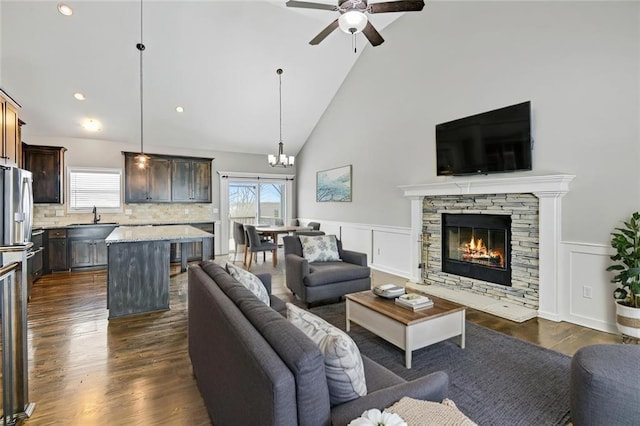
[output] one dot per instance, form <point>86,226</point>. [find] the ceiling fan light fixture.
<point>352,21</point>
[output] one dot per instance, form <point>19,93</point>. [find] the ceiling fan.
<point>352,18</point>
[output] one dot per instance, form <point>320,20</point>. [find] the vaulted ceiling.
<point>216,59</point>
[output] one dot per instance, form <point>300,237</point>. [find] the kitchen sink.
<point>93,224</point>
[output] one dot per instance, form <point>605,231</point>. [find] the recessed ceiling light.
<point>65,9</point>
<point>179,109</point>
<point>79,96</point>
<point>91,125</point>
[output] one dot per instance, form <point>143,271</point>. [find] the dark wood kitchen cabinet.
<point>190,180</point>
<point>47,165</point>
<point>10,144</point>
<point>57,256</point>
<point>167,179</point>
<point>9,131</point>
<point>87,247</point>
<point>195,249</point>
<point>149,185</point>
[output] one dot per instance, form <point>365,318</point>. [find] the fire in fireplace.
<point>477,246</point>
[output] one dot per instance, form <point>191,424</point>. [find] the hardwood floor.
<point>85,369</point>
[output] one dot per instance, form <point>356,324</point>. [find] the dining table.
<point>272,231</point>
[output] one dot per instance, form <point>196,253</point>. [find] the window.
<point>94,187</point>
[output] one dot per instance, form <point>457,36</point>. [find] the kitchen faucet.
<point>96,218</point>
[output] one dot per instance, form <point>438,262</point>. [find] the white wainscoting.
<point>387,247</point>
<point>581,265</point>
<point>217,240</point>
<point>587,297</point>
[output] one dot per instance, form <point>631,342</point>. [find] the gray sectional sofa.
<point>253,366</point>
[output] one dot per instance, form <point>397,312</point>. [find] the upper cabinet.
<point>46,163</point>
<point>191,180</point>
<point>149,185</point>
<point>167,179</point>
<point>9,131</point>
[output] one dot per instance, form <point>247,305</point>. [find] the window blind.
<point>88,188</point>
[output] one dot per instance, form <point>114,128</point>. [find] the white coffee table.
<point>405,328</point>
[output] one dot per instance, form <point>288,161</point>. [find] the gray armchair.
<point>315,281</point>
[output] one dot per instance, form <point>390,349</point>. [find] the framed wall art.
<point>334,185</point>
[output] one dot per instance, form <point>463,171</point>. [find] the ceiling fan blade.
<point>324,33</point>
<point>308,5</point>
<point>397,6</point>
<point>372,35</point>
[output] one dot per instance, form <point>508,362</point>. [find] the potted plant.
<point>626,266</point>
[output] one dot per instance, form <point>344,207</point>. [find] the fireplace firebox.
<point>477,246</point>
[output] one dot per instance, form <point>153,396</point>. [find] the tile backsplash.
<point>47,215</point>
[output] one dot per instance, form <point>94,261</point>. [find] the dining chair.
<point>255,245</point>
<point>240,240</point>
<point>314,225</point>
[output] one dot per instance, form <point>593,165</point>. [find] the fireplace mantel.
<point>549,188</point>
<point>535,184</point>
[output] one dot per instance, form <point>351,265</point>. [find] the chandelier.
<point>141,159</point>
<point>281,159</point>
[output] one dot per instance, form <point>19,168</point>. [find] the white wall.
<point>578,63</point>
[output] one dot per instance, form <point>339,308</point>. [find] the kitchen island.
<point>138,266</point>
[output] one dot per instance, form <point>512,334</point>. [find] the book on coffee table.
<point>414,301</point>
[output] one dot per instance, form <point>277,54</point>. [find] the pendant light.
<point>141,159</point>
<point>281,159</point>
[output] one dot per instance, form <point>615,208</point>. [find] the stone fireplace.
<point>533,205</point>
<point>477,246</point>
<point>495,247</point>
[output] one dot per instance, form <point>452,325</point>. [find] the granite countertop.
<point>174,233</point>
<point>84,225</point>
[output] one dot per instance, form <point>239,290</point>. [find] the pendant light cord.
<point>279,71</point>
<point>140,46</point>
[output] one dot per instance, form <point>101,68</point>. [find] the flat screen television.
<point>491,142</point>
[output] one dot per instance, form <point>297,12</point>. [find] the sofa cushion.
<point>300,354</point>
<point>321,273</point>
<point>250,281</point>
<point>320,248</point>
<point>297,351</point>
<point>343,364</point>
<point>224,346</point>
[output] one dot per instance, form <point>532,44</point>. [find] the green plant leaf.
<point>620,293</point>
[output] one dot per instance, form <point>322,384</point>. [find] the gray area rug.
<point>495,380</point>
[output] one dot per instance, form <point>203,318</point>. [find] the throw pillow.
<point>250,281</point>
<point>320,248</point>
<point>342,360</point>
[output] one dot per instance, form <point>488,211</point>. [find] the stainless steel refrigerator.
<point>15,236</point>
<point>17,206</point>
